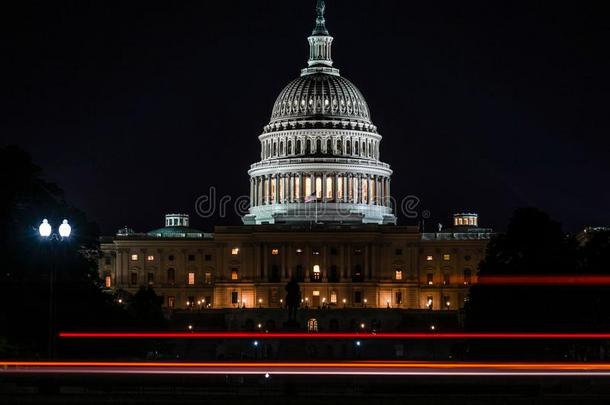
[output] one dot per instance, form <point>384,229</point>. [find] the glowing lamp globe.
<point>65,229</point>
<point>44,229</point>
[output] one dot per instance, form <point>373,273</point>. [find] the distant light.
<point>362,326</point>
<point>365,300</point>
<point>260,300</point>
<point>266,375</point>
<point>260,325</point>
<point>432,327</point>
<point>44,229</point>
<point>120,300</point>
<point>190,327</point>
<point>357,343</point>
<point>65,229</point>
<point>256,343</point>
<point>344,300</point>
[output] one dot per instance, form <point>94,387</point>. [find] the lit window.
<point>430,278</point>
<point>446,257</point>
<point>108,281</point>
<point>191,279</point>
<point>429,302</point>
<point>275,252</point>
<point>318,187</point>
<point>316,252</point>
<point>316,272</point>
<point>134,257</point>
<point>398,274</point>
<point>171,301</point>
<point>235,251</point>
<point>150,258</point>
<point>429,258</point>
<point>208,278</point>
<point>299,251</point>
<point>312,325</point>
<point>316,293</point>
<point>333,297</point>
<point>329,188</point>
<point>234,274</point>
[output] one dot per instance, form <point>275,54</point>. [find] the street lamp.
<point>46,233</point>
<point>45,229</point>
<point>65,229</point>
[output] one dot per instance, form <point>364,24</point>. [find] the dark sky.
<point>137,108</point>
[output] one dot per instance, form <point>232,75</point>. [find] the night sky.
<point>137,108</point>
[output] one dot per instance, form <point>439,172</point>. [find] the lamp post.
<point>46,234</point>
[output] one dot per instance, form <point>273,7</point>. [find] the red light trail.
<point>404,368</point>
<point>543,280</point>
<point>340,335</point>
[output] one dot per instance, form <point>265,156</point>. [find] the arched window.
<point>348,147</point>
<point>356,147</point>
<point>281,148</point>
<point>467,276</point>
<point>171,276</point>
<point>318,187</point>
<point>274,148</point>
<point>298,270</point>
<point>317,274</point>
<point>298,151</point>
<point>318,145</point>
<point>289,151</point>
<point>329,147</point>
<point>329,188</point>
<point>312,325</point>
<point>339,150</point>
<point>308,149</point>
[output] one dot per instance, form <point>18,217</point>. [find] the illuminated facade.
<point>320,213</point>
<point>368,265</point>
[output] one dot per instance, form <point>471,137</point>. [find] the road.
<point>351,368</point>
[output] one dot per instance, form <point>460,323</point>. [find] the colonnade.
<point>354,188</point>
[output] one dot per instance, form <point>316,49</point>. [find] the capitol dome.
<point>319,159</point>
<point>320,96</point>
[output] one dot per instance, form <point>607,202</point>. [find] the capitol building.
<point>320,213</point>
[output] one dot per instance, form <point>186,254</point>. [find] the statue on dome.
<point>320,7</point>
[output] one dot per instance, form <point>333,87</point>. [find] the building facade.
<point>320,212</point>
<point>365,265</point>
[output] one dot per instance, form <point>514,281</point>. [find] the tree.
<point>26,261</point>
<point>145,307</point>
<point>534,244</point>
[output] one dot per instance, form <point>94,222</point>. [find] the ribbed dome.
<point>320,96</point>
